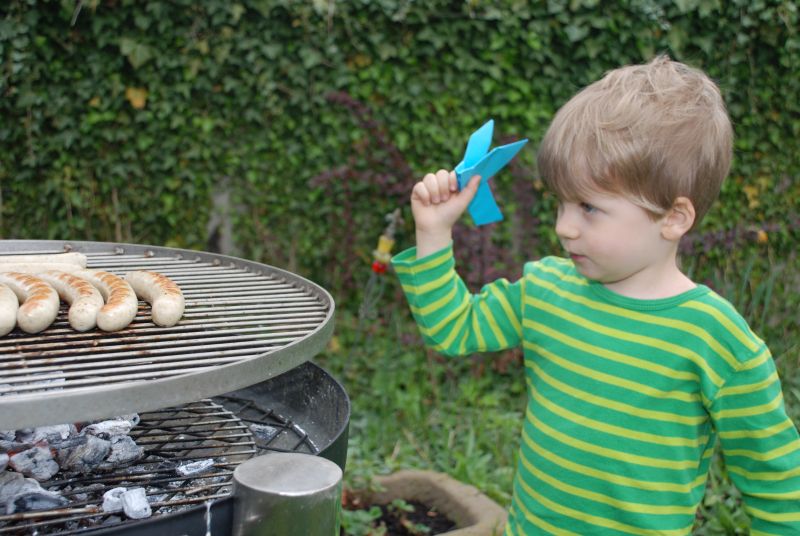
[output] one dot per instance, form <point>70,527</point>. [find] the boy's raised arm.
<point>450,319</point>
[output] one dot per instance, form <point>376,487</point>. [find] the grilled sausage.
<point>84,299</point>
<point>39,301</point>
<point>9,305</point>
<point>121,303</point>
<point>37,267</point>
<point>73,259</point>
<point>163,295</point>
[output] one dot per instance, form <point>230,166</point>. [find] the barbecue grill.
<point>230,381</point>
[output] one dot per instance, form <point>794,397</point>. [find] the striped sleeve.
<point>451,319</point>
<point>760,445</point>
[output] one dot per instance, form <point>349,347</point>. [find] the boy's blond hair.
<point>652,132</point>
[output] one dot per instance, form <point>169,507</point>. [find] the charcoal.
<point>106,429</point>
<point>7,435</point>
<point>263,433</point>
<point>13,446</point>
<point>83,454</point>
<point>19,494</point>
<point>36,462</point>
<point>3,461</point>
<point>111,520</point>
<point>132,418</point>
<point>36,500</point>
<point>10,482</point>
<point>135,505</point>
<point>195,468</point>
<point>52,434</point>
<point>112,500</point>
<point>124,450</point>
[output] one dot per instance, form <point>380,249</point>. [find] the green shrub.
<point>120,117</point>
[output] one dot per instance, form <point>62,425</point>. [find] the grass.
<point>412,408</point>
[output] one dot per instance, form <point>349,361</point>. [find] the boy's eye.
<point>586,207</point>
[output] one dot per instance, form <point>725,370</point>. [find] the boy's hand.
<point>437,205</point>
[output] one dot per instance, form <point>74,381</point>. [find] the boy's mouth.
<point>577,258</point>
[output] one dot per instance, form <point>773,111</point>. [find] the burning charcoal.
<point>263,433</point>
<point>106,429</point>
<point>135,505</point>
<point>124,450</point>
<point>52,434</point>
<point>112,500</point>
<point>83,453</point>
<point>19,494</point>
<point>194,468</point>
<point>36,462</point>
<point>3,461</point>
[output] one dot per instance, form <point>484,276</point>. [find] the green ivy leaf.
<point>137,53</point>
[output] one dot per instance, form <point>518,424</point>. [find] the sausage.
<point>39,301</point>
<point>37,267</point>
<point>72,258</point>
<point>9,305</point>
<point>121,303</point>
<point>163,295</point>
<point>84,299</point>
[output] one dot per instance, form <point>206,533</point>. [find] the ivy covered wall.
<point>120,118</point>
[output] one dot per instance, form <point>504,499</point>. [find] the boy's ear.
<point>678,220</point>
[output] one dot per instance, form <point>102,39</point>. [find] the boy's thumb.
<point>469,191</point>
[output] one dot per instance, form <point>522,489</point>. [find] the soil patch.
<point>399,518</point>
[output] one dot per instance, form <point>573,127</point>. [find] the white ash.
<point>3,461</point>
<point>124,451</point>
<point>263,433</point>
<point>194,468</point>
<point>112,500</point>
<point>132,418</point>
<point>135,505</point>
<point>83,454</point>
<point>36,462</point>
<point>52,434</point>
<point>8,435</point>
<point>106,429</point>
<point>20,494</point>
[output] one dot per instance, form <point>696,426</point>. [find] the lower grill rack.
<point>172,438</point>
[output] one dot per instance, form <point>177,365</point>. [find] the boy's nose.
<point>565,226</point>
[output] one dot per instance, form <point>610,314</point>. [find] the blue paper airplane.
<point>483,207</point>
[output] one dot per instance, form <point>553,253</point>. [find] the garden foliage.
<point>121,117</point>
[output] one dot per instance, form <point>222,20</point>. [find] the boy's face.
<point>614,241</point>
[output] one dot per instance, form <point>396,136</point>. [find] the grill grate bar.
<point>145,346</point>
<point>80,348</point>
<point>182,347</point>
<point>186,325</point>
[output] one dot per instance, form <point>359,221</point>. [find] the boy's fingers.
<point>453,182</point>
<point>442,182</point>
<point>420,193</point>
<point>432,185</point>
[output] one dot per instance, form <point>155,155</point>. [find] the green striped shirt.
<point>626,398</point>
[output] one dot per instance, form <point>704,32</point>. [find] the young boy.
<point>633,370</point>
